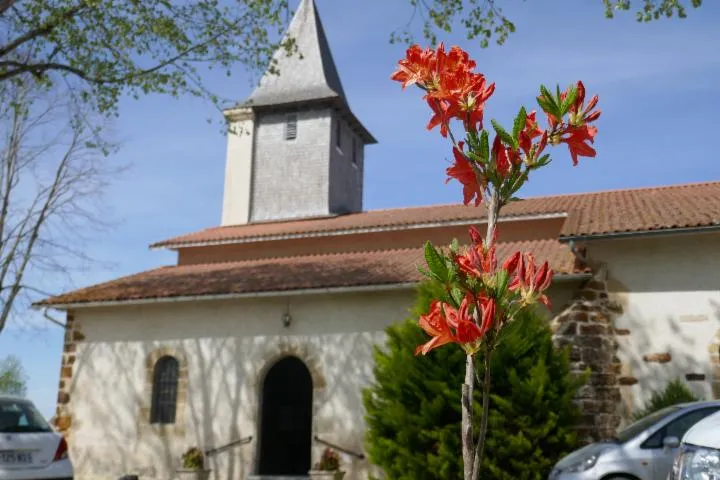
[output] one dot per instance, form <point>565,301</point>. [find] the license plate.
<point>16,458</point>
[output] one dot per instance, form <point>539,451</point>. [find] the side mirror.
<point>671,442</point>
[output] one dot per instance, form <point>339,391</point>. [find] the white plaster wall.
<point>669,288</point>
<point>238,171</point>
<point>228,346</point>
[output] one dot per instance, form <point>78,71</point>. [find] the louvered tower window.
<point>165,388</point>
<point>291,127</point>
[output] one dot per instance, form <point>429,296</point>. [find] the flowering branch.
<point>482,297</point>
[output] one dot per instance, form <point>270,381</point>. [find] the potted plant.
<point>328,468</point>
<point>193,465</point>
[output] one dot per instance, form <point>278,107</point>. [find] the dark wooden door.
<point>286,425</point>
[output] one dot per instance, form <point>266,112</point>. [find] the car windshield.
<point>644,423</point>
<point>21,416</point>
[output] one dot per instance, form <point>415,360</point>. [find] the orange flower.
<point>582,114</point>
<point>453,89</point>
<point>436,325</point>
<point>531,280</point>
<point>577,139</point>
<point>479,260</point>
<point>464,173</point>
<point>446,324</point>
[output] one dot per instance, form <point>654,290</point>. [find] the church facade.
<point>257,344</point>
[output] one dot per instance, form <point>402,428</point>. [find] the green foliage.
<point>413,408</point>
<point>111,48</point>
<point>674,392</point>
<point>13,380</point>
<point>485,20</point>
<point>193,459</point>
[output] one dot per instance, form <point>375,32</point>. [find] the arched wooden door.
<point>286,424</point>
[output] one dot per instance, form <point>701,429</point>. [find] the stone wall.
<point>586,326</point>
<point>63,416</point>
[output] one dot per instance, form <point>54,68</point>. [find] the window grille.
<point>164,392</point>
<point>291,127</point>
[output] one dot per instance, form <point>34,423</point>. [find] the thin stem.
<point>468,445</point>
<point>480,448</point>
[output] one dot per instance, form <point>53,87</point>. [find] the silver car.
<point>644,450</point>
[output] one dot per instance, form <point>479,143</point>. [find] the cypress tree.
<point>413,407</point>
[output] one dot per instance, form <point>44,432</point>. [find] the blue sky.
<point>658,87</point>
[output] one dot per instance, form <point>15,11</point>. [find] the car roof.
<point>700,404</point>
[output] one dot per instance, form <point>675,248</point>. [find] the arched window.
<point>164,390</point>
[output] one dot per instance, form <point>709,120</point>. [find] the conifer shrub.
<point>413,407</point>
<point>674,392</point>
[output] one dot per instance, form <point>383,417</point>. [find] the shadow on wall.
<point>226,362</point>
<point>655,351</point>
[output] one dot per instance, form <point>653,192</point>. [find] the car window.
<point>644,423</point>
<point>678,427</point>
<point>18,416</point>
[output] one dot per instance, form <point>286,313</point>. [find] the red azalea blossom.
<point>443,112</point>
<point>453,89</point>
<point>581,114</point>
<point>577,139</point>
<point>531,131</point>
<point>502,159</point>
<point>435,324</point>
<point>529,279</point>
<point>464,173</point>
<point>446,324</point>
<point>479,259</point>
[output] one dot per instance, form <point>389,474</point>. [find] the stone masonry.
<point>586,326</point>
<point>63,415</point>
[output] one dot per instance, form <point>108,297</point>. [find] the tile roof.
<point>285,274</point>
<point>588,214</point>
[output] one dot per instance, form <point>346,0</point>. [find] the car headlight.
<point>696,463</point>
<point>585,463</point>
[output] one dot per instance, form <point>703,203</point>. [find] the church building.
<point>257,344</point>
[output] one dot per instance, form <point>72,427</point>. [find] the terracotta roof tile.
<point>285,274</point>
<point>692,205</point>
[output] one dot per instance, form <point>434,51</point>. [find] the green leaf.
<point>569,99</point>
<point>503,134</point>
<point>457,295</point>
<point>501,281</point>
<point>548,102</point>
<point>484,149</point>
<point>436,263</point>
<point>519,123</point>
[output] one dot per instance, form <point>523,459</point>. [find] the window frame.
<point>166,370</point>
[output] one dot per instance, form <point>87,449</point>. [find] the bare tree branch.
<point>52,172</point>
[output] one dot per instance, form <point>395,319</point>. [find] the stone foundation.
<point>586,326</point>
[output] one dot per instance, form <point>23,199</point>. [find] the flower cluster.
<point>454,91</point>
<point>484,296</point>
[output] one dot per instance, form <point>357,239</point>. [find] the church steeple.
<point>295,149</point>
<point>306,74</point>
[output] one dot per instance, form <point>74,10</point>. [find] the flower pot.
<point>187,474</point>
<point>326,475</point>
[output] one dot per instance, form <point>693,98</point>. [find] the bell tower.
<point>295,149</point>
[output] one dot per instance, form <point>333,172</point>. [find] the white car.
<point>699,455</point>
<point>29,448</point>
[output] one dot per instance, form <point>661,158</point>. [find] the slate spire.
<point>309,73</point>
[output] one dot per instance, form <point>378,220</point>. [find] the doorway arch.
<point>286,419</point>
